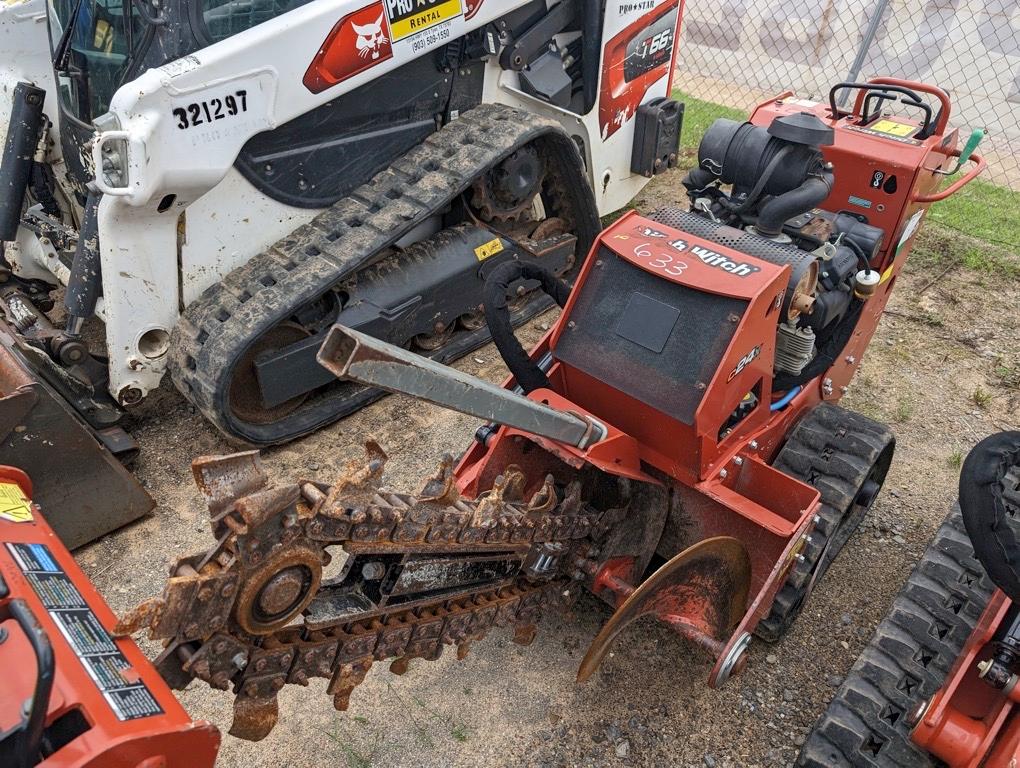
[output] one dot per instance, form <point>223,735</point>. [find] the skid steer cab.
<point>672,445</point>
<point>220,183</point>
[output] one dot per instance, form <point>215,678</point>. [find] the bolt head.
<point>130,395</point>
<point>723,473</point>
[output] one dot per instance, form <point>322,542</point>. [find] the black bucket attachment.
<point>82,488</point>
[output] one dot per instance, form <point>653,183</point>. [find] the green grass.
<point>982,210</point>
<point>981,397</point>
<point>955,459</point>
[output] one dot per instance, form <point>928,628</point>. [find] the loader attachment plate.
<point>83,489</point>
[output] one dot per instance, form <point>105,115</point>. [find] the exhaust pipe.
<point>354,356</point>
<point>19,152</point>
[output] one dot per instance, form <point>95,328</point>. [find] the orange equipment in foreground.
<point>74,697</point>
<point>937,683</point>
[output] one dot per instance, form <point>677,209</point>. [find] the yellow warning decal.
<point>410,16</point>
<point>892,128</point>
<point>491,248</point>
<point>13,504</point>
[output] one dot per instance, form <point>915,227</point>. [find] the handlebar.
<point>30,739</point>
<point>881,88</point>
<point>979,164</point>
<point>945,105</point>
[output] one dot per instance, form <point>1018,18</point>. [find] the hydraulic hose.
<point>497,315</point>
<point>86,280</point>
<point>785,400</point>
<point>779,209</point>
<point>23,133</point>
<point>986,508</point>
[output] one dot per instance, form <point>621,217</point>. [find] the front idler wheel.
<point>277,590</point>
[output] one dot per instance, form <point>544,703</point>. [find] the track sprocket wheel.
<point>278,589</point>
<point>508,190</point>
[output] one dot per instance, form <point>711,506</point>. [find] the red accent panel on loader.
<point>632,60</point>
<point>357,42</point>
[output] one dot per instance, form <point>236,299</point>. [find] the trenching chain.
<point>417,573</point>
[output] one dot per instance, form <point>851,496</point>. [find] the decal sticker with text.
<point>716,259</point>
<point>408,17</point>
<point>744,362</point>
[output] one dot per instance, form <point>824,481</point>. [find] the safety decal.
<point>491,248</point>
<point>892,128</point>
<point>889,129</point>
<point>112,673</point>
<point>14,507</point>
<point>408,17</point>
<point>911,227</point>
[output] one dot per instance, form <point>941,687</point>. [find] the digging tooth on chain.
<point>441,488</point>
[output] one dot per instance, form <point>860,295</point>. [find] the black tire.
<point>907,660</point>
<point>990,501</point>
<point>845,456</point>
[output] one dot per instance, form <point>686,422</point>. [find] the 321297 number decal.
<point>201,112</point>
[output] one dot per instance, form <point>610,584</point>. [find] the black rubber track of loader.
<point>833,450</point>
<point>215,330</point>
<point>907,660</point>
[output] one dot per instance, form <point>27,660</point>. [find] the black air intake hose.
<point>778,210</point>
<point>23,134</point>
<point>497,314</point>
<point>987,494</point>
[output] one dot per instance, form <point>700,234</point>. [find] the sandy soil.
<point>941,371</point>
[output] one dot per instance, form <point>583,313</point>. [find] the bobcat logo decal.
<point>370,38</point>
<point>358,41</point>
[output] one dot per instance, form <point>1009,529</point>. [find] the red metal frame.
<point>167,740</point>
<point>727,486</point>
<point>968,722</point>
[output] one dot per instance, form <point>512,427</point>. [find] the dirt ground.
<point>944,371</point>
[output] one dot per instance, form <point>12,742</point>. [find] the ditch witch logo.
<point>714,259</point>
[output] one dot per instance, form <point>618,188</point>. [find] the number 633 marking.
<point>664,262</point>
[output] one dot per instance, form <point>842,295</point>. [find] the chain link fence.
<point>738,52</point>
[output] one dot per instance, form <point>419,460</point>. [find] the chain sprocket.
<point>507,192</point>
<point>257,610</point>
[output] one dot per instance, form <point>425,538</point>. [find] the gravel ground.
<point>941,371</point>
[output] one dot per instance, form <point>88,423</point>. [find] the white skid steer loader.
<point>219,181</point>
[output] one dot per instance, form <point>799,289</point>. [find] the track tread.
<point>216,328</point>
<point>833,450</point>
<point>906,661</point>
